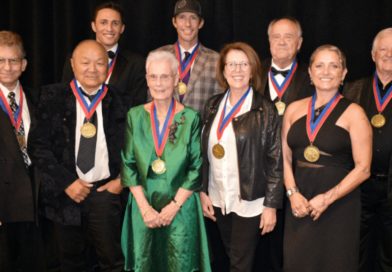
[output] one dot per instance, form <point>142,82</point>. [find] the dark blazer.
<point>258,146</point>
<point>128,77</point>
<point>299,87</point>
<point>52,147</point>
<point>18,190</point>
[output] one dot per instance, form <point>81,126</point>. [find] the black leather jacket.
<point>258,148</point>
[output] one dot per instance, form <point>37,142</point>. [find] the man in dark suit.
<point>126,69</point>
<point>373,94</point>
<point>284,80</point>
<point>76,146</point>
<point>20,242</point>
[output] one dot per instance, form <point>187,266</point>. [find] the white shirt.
<point>100,170</point>
<point>224,183</point>
<point>279,78</point>
<point>190,52</point>
<point>114,50</point>
<point>25,110</point>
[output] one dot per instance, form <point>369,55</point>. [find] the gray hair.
<point>288,18</point>
<point>161,55</point>
<point>386,31</point>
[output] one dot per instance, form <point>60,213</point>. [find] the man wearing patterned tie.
<point>374,94</point>
<point>76,146</point>
<point>197,63</point>
<point>20,242</point>
<point>126,69</point>
<point>284,80</point>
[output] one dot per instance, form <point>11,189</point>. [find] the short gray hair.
<point>386,31</point>
<point>288,18</point>
<point>162,55</point>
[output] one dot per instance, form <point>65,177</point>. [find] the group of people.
<point>195,160</point>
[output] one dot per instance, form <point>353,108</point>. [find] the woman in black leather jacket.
<point>242,168</point>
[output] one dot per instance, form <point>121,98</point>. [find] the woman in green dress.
<point>163,227</point>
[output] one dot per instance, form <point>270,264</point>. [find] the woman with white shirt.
<point>242,168</point>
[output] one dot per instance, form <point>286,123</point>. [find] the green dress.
<point>181,246</point>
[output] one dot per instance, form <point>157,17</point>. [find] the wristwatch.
<point>291,191</point>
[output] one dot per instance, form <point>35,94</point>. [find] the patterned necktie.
<point>188,75</point>
<point>86,153</point>
<point>20,134</point>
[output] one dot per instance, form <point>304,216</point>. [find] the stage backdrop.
<point>51,28</point>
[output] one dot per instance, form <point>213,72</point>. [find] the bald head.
<point>90,64</point>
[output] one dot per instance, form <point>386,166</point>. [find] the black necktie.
<point>186,57</point>
<point>86,153</point>
<point>20,134</point>
<point>111,54</point>
<point>275,72</point>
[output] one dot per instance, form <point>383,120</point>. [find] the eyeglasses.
<point>163,77</point>
<point>12,62</point>
<point>232,66</point>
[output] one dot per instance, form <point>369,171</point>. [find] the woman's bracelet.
<point>176,203</point>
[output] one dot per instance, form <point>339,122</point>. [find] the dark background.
<point>51,28</point>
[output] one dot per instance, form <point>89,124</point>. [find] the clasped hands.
<point>153,219</point>
<point>302,207</point>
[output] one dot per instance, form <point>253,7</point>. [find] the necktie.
<point>275,72</point>
<point>20,134</point>
<point>111,54</point>
<point>86,153</point>
<point>188,75</point>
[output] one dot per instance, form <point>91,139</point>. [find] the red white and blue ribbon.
<point>224,119</point>
<point>281,89</point>
<point>88,109</point>
<point>111,65</point>
<point>160,137</point>
<point>313,126</point>
<point>185,66</point>
<point>381,102</point>
<point>15,118</point>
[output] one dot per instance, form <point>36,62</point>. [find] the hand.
<point>78,190</point>
<point>317,206</point>
<point>267,220</point>
<point>113,186</point>
<point>206,204</point>
<point>299,205</point>
<point>151,217</point>
<point>168,213</point>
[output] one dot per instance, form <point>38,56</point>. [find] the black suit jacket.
<point>129,77</point>
<point>18,189</point>
<point>52,147</point>
<point>299,87</point>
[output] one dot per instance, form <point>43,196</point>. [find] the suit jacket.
<point>128,77</point>
<point>202,83</point>
<point>18,190</point>
<point>52,147</point>
<point>299,87</point>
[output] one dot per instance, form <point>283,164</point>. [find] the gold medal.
<point>281,107</point>
<point>378,120</point>
<point>312,153</point>
<point>21,140</point>
<point>88,130</point>
<point>218,151</point>
<point>182,88</point>
<point>158,166</point>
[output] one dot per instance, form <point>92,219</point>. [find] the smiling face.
<point>108,27</point>
<point>327,71</point>
<point>237,71</point>
<point>187,25</point>
<point>90,64</point>
<point>285,41</point>
<point>12,65</point>
<point>382,54</point>
<point>160,80</point>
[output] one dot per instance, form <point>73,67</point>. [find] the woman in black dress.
<point>327,152</point>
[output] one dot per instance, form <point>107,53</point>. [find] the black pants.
<point>376,226</point>
<point>240,236</point>
<point>21,247</point>
<point>100,231</point>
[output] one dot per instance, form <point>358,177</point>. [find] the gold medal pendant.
<point>88,130</point>
<point>281,107</point>
<point>311,153</point>
<point>378,120</point>
<point>218,151</point>
<point>158,166</point>
<point>182,88</point>
<point>21,140</point>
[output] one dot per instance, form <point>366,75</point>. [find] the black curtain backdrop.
<point>51,29</point>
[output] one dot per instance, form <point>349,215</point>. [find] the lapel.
<point>70,114</point>
<point>119,67</point>
<point>198,67</point>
